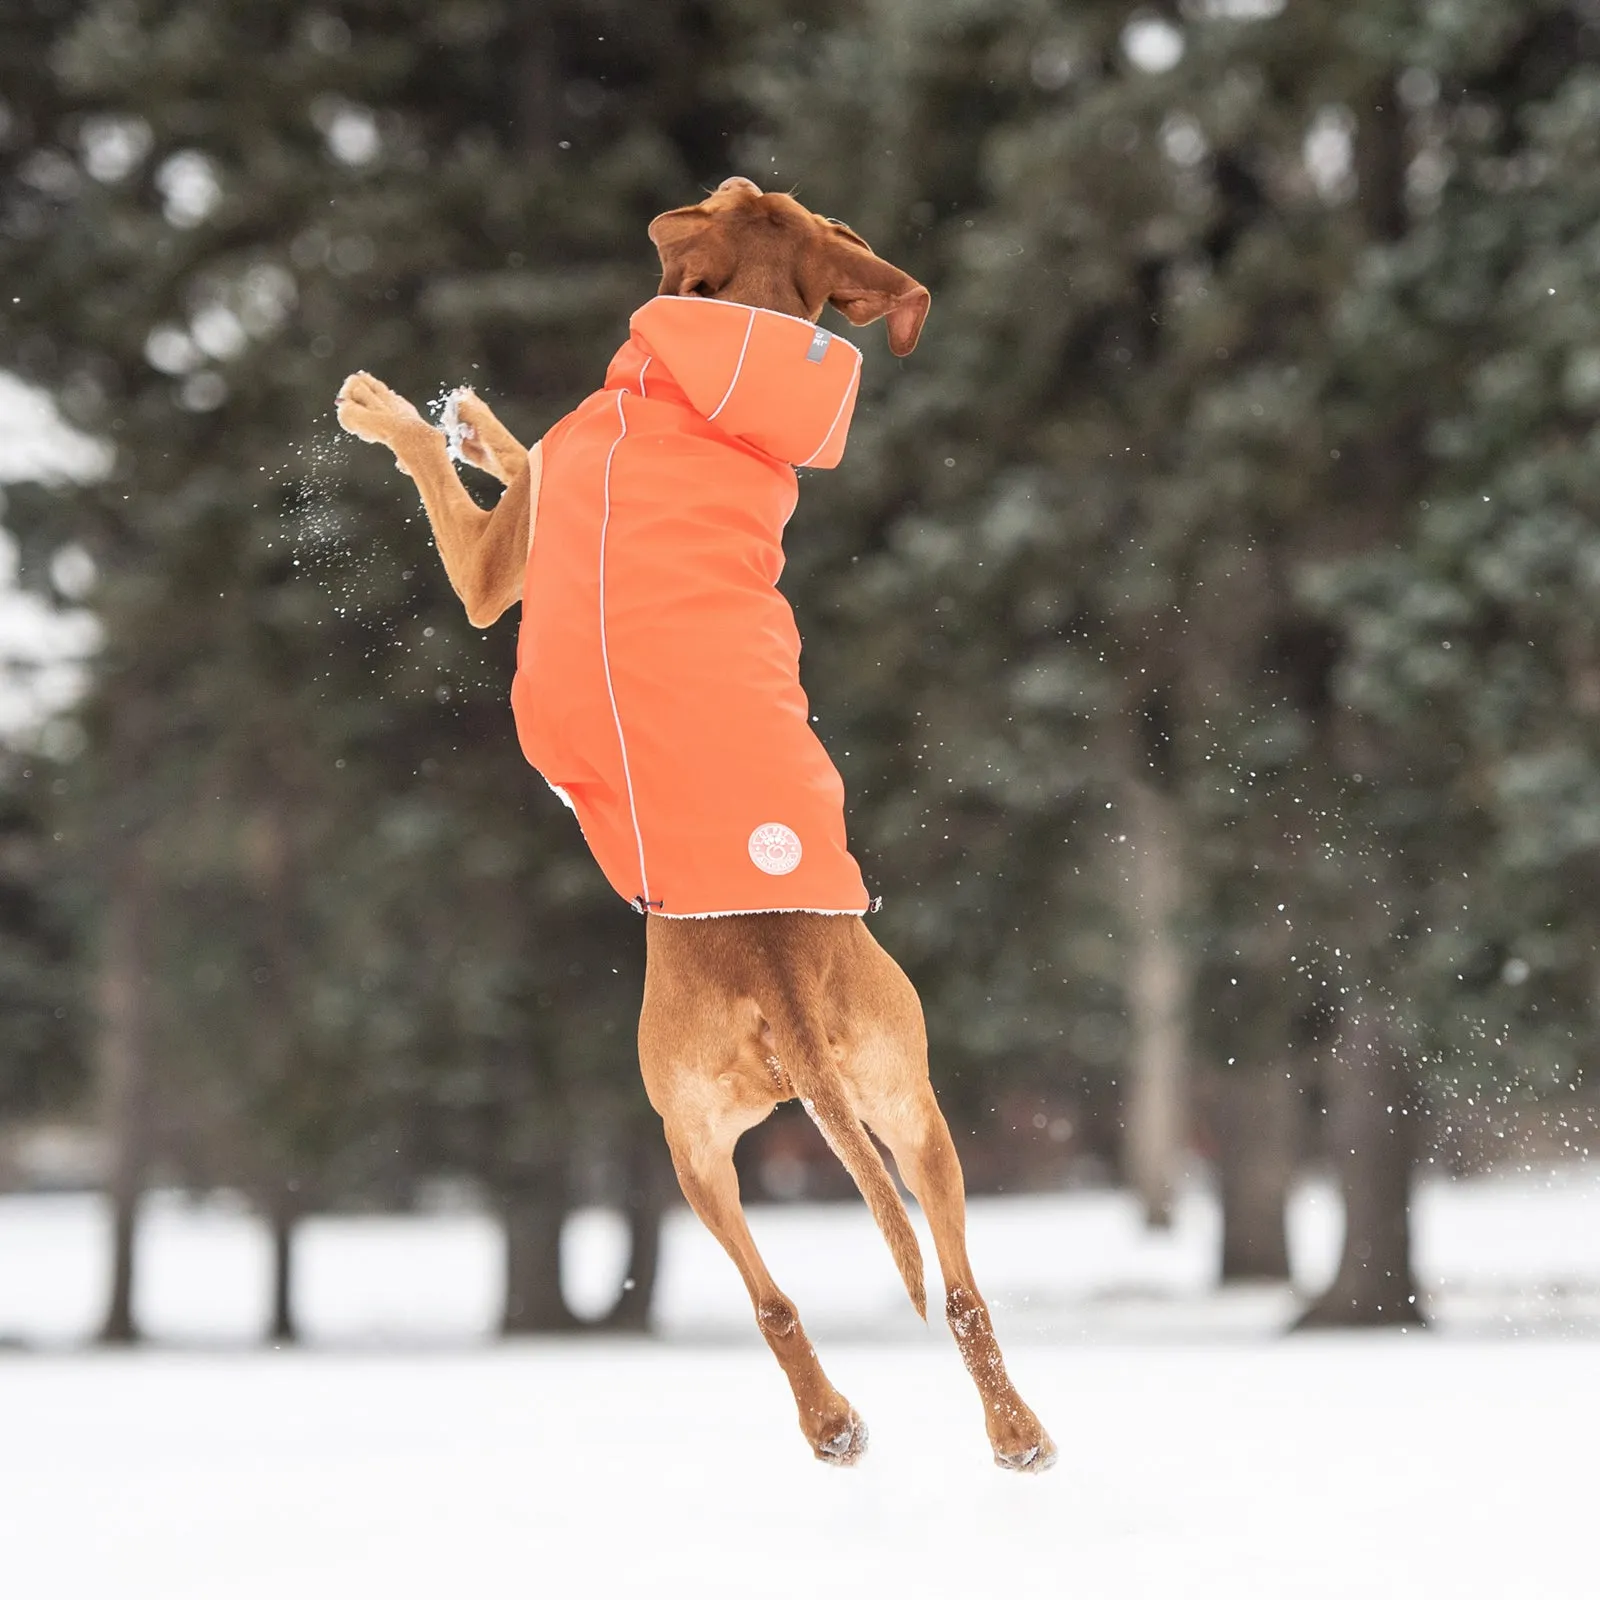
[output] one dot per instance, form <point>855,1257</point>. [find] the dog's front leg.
<point>484,552</point>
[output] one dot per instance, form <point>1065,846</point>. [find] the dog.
<point>754,992</point>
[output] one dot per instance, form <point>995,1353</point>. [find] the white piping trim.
<point>535,486</point>
<point>642,370</point>
<point>749,328</point>
<point>849,389</point>
<point>605,656</point>
<point>758,911</point>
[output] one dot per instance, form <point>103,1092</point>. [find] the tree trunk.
<point>119,1326</point>
<point>282,1220</point>
<point>284,1136</point>
<point>644,1205</point>
<point>1374,1106</point>
<point>123,1049</point>
<point>1374,1117</point>
<point>1255,1122</point>
<point>1157,1104</point>
<point>534,1301</point>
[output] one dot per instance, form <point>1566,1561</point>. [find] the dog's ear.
<point>696,257</point>
<point>865,287</point>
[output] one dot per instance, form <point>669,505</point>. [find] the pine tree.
<point>1137,528</point>
<point>1068,547</point>
<point>212,213</point>
<point>1471,634</point>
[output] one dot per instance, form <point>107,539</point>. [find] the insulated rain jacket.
<point>658,667</point>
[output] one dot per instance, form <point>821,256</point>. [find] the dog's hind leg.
<point>707,1098</point>
<point>887,1069</point>
<point>919,1139</point>
<point>711,1186</point>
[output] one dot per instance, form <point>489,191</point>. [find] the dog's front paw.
<point>461,438</point>
<point>478,437</point>
<point>371,410</point>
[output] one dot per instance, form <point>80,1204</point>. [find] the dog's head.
<point>767,250</point>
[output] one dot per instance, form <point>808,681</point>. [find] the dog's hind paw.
<point>1035,1458</point>
<point>847,1446</point>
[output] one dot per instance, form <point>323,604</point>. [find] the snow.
<point>1317,1468</point>
<point>456,431</point>
<point>1516,1255</point>
<point>402,1456</point>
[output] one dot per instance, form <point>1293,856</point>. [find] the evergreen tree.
<point>1470,627</point>
<point>1201,617</point>
<point>1068,542</point>
<point>211,213</point>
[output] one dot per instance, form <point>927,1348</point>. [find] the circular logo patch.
<point>775,848</point>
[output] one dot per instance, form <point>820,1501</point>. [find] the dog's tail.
<point>807,1058</point>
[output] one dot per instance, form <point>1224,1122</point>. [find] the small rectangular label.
<point>820,341</point>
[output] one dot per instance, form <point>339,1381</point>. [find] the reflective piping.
<point>849,389</point>
<point>535,484</point>
<point>749,328</point>
<point>605,658</point>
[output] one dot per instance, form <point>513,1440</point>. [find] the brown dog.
<point>743,1012</point>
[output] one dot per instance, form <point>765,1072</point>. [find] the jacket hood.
<point>776,382</point>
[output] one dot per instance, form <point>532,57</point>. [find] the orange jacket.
<point>658,667</point>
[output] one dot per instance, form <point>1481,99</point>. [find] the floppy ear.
<point>695,256</point>
<point>865,287</point>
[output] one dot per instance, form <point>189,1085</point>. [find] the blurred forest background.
<point>1204,618</point>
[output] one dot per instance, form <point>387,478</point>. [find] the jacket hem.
<point>763,911</point>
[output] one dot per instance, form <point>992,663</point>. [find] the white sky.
<point>41,648</point>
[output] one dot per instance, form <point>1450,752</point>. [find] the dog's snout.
<point>738,186</point>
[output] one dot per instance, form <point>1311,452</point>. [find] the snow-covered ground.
<point>1513,1255</point>
<point>1376,1467</point>
<point>402,1456</point>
